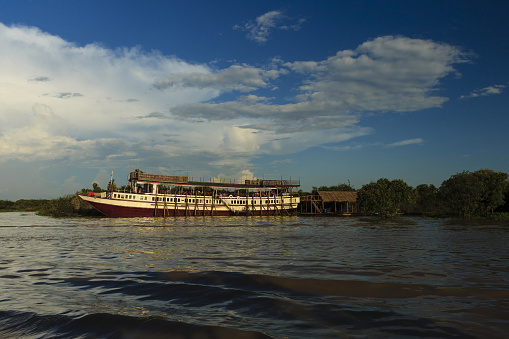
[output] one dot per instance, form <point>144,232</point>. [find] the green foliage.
<point>385,198</point>
<point>60,207</point>
<point>427,199</point>
<point>96,188</point>
<point>470,194</point>
<point>67,206</point>
<point>505,207</point>
<point>26,205</point>
<point>340,188</point>
<point>6,205</point>
<point>302,193</point>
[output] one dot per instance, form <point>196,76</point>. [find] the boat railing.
<point>179,179</point>
<point>224,181</point>
<point>245,182</point>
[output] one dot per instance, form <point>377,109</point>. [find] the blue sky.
<point>325,91</point>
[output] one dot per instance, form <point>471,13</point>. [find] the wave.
<point>102,325</point>
<point>217,304</point>
<point>275,305</point>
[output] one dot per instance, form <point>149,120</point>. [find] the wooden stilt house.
<point>329,203</point>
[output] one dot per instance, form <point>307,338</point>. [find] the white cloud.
<point>57,96</point>
<point>357,146</point>
<point>406,142</point>
<point>261,28</point>
<point>68,106</point>
<point>387,74</point>
<point>490,90</point>
<point>241,78</point>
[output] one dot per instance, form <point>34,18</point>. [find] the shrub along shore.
<point>68,206</point>
<point>480,194</point>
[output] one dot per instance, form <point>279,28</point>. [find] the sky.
<point>327,92</point>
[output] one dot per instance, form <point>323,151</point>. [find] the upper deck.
<point>181,180</point>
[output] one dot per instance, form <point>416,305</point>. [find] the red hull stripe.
<point>126,212</point>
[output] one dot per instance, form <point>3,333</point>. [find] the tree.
<point>460,194</point>
<point>427,198</point>
<point>474,194</point>
<point>385,197</point>
<point>339,188</point>
<point>96,188</point>
<point>493,185</point>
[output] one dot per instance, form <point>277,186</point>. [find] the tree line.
<point>466,194</point>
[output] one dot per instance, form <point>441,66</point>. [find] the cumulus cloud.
<point>486,91</point>
<point>387,74</point>
<point>89,106</point>
<point>241,78</point>
<point>104,91</point>
<point>262,27</point>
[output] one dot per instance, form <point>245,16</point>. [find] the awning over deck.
<point>334,196</point>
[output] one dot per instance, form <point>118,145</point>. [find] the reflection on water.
<point>222,277</point>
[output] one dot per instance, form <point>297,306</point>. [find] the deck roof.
<point>328,196</point>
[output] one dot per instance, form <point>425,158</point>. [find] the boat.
<point>159,195</point>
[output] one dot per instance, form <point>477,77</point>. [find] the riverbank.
<point>67,206</point>
<point>72,206</point>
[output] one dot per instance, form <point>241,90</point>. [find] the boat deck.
<point>179,180</point>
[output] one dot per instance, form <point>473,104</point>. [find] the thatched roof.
<point>337,196</point>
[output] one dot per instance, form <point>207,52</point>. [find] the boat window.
<point>134,197</point>
<point>114,195</point>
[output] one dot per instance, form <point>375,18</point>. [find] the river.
<point>252,277</point>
